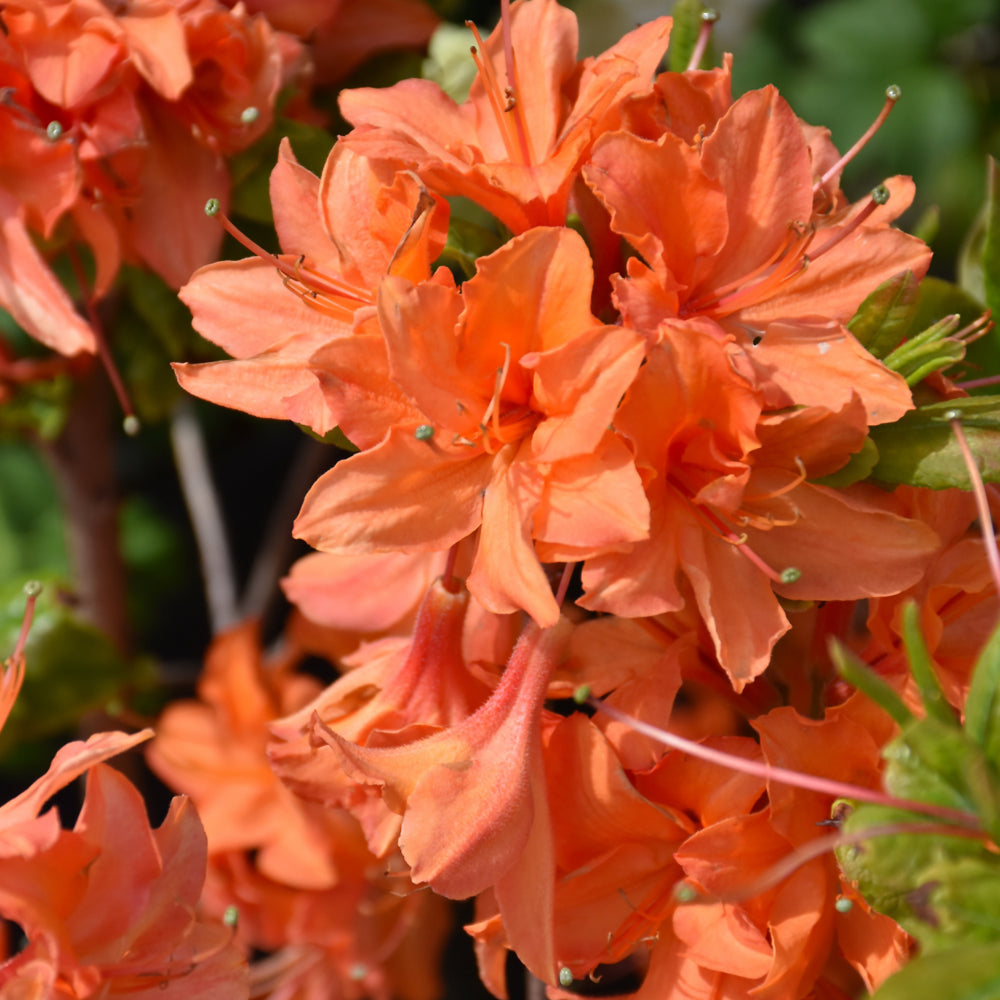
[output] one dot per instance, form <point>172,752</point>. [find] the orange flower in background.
<point>125,923</point>
<point>513,386</point>
<point>516,146</point>
<point>119,122</point>
<point>214,750</point>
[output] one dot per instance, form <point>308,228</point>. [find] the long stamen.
<point>789,260</point>
<point>503,100</point>
<point>131,421</point>
<point>979,493</point>
<point>785,776</point>
<point>788,575</point>
<point>880,196</point>
<point>708,19</point>
<point>12,673</point>
<point>778,872</point>
<point>313,282</point>
<point>892,94</point>
<point>513,103</point>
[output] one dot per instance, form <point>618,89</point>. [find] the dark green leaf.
<point>858,467</point>
<point>921,450</point>
<point>991,243</point>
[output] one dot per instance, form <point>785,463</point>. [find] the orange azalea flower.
<point>731,507</point>
<point>472,796</point>
<point>124,116</point>
<point>341,235</point>
<point>727,224</point>
<point>513,386</point>
<point>125,921</point>
<point>516,146</point>
<point>361,938</point>
<point>215,751</point>
<point>397,690</point>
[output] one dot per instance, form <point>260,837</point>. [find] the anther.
<point>880,195</point>
<point>53,131</point>
<point>424,432</point>
<point>892,94</point>
<point>791,574</point>
<point>249,115</point>
<point>565,977</point>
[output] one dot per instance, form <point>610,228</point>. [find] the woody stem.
<point>82,464</point>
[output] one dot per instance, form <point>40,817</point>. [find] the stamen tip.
<point>565,977</point>
<point>684,892</point>
<point>212,207</point>
<point>131,425</point>
<point>791,574</point>
<point>582,694</point>
<point>709,15</point>
<point>53,131</point>
<point>424,432</point>
<point>231,917</point>
<point>32,588</point>
<point>893,92</point>
<point>880,194</point>
<point>249,115</point>
<point>843,905</point>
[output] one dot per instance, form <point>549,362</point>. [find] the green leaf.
<point>864,679</point>
<point>921,450</point>
<point>71,667</point>
<point>857,468</point>
<point>967,972</point>
<point>448,63</point>
<point>935,703</point>
<point>991,243</point>
<point>684,33</point>
<point>883,319</point>
<point>982,706</point>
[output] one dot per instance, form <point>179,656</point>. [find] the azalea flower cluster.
<point>109,120</point>
<point>606,490</point>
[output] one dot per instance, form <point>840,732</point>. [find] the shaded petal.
<point>30,291</point>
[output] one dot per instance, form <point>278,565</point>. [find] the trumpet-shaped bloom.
<point>513,386</point>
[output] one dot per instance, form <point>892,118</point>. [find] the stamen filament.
<point>807,852</point>
<point>514,89</point>
<point>892,94</point>
<point>785,776</point>
<point>708,19</point>
<point>314,282</point>
<point>879,197</point>
<point>982,502</point>
<point>131,421</point>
